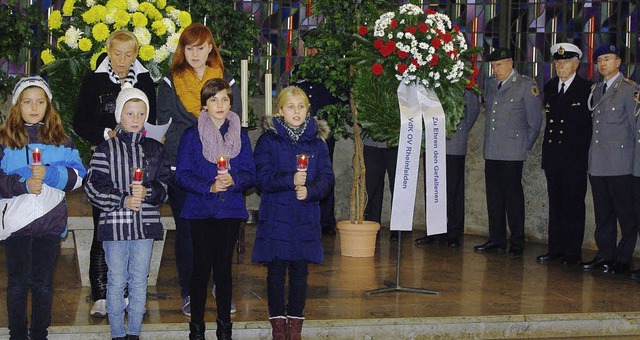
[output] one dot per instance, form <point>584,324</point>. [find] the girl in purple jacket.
<point>215,166</point>
<point>294,173</point>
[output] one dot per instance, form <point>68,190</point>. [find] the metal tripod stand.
<point>395,286</point>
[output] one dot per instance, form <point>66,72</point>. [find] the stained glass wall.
<point>528,27</point>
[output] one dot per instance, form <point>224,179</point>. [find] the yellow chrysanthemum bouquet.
<point>81,28</point>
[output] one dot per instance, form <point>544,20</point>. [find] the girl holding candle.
<point>127,182</point>
<point>214,205</point>
<point>288,233</point>
<point>34,212</point>
<point>195,61</point>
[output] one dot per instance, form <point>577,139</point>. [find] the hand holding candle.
<point>36,157</point>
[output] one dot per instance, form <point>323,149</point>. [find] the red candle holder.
<point>36,157</point>
<point>138,173</point>
<point>303,162</point>
<point>223,165</point>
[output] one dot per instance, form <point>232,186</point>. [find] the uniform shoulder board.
<point>526,77</point>
<point>630,82</point>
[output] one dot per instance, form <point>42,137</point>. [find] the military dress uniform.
<point>513,122</point>
<point>610,172</point>
<point>565,148</point>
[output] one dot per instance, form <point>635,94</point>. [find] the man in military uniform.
<point>564,154</point>
<point>456,153</point>
<point>319,97</point>
<point>514,117</point>
<point>611,164</point>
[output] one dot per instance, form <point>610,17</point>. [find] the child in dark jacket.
<point>127,181</point>
<point>39,164</point>
<point>294,173</point>
<point>215,166</point>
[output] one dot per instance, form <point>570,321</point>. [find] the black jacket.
<point>567,133</point>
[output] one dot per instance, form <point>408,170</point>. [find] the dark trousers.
<point>31,262</point>
<point>455,197</point>
<point>213,244</point>
<point>97,263</point>
<point>378,161</point>
<point>276,275</point>
<point>505,201</point>
<point>183,242</point>
<point>613,204</point>
<point>327,204</point>
<point>567,190</point>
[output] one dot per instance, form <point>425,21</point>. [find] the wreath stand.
<point>395,286</point>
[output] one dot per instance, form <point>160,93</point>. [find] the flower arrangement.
<point>82,27</point>
<point>415,47</point>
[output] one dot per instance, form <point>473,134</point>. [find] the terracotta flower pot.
<point>358,240</point>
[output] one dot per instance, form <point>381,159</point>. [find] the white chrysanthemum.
<point>400,35</point>
<point>171,26</point>
<point>132,5</point>
<point>423,45</point>
<point>71,36</point>
<point>432,50</point>
<point>161,54</point>
<point>143,35</point>
<point>436,85</point>
<point>90,3</point>
<point>172,42</point>
<point>174,15</point>
<point>412,68</point>
<point>111,16</point>
<point>414,43</point>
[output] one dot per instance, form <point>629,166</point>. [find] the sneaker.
<point>99,309</point>
<point>233,305</point>
<point>186,306</point>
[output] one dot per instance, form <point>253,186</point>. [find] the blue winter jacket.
<point>196,175</point>
<point>289,229</point>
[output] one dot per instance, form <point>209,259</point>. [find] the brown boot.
<point>279,327</point>
<point>294,327</point>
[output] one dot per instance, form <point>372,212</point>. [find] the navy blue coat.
<point>196,175</point>
<point>289,229</point>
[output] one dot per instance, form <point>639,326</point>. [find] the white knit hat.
<point>25,82</point>
<point>127,93</point>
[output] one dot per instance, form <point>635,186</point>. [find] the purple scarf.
<point>213,144</point>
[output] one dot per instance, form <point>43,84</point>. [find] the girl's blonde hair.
<point>14,135</point>
<point>285,96</point>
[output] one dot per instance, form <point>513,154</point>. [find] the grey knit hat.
<point>25,82</point>
<point>127,93</point>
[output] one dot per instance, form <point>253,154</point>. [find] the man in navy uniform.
<point>565,147</point>
<point>514,117</point>
<point>611,164</point>
<point>456,153</point>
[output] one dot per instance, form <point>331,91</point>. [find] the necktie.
<point>499,85</point>
<point>604,88</point>
<point>561,89</point>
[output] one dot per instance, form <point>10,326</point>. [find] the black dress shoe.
<point>329,231</point>
<point>635,275</point>
<point>596,263</point>
<point>515,251</point>
<point>453,243</point>
<point>489,246</point>
<point>546,258</point>
<point>394,235</point>
<point>617,268</point>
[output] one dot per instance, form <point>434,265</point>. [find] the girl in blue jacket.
<point>294,173</point>
<point>38,165</point>
<point>215,166</point>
